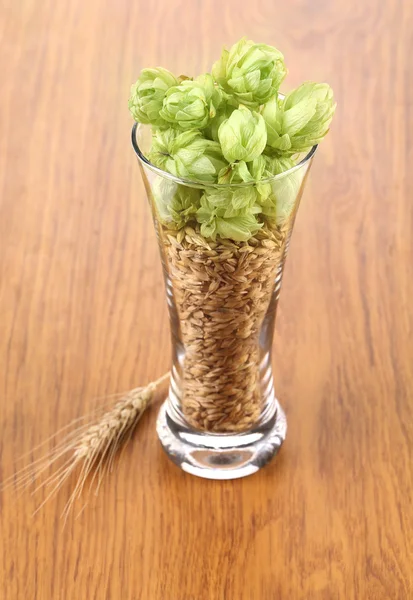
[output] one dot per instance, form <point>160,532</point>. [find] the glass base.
<point>222,456</point>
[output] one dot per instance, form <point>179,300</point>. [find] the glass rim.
<point>193,183</point>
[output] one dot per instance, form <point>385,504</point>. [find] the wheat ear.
<point>90,447</point>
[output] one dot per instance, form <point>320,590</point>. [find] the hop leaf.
<point>243,135</point>
<point>251,73</point>
<point>187,154</point>
<point>229,213</point>
<point>148,93</point>
<point>301,120</point>
<point>192,104</point>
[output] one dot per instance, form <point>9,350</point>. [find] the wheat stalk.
<point>91,447</point>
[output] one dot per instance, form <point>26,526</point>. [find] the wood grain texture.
<point>82,310</point>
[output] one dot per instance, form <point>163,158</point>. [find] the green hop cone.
<point>273,117</point>
<point>238,172</point>
<point>187,154</point>
<point>184,205</point>
<point>278,164</point>
<point>192,104</point>
<point>224,111</point>
<point>253,171</point>
<point>301,120</point>
<point>163,191</point>
<point>243,135</point>
<point>229,213</point>
<point>309,98</point>
<point>280,203</point>
<point>258,169</point>
<point>148,93</point>
<point>251,73</point>
<point>176,204</point>
<point>286,190</point>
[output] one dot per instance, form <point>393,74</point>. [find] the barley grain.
<point>222,291</point>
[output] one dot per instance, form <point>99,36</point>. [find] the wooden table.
<point>83,313</point>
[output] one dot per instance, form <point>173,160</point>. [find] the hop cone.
<point>230,213</point>
<point>148,93</point>
<point>301,120</point>
<point>251,73</point>
<point>187,154</point>
<point>243,135</point>
<point>192,104</point>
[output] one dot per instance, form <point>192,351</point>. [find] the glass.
<point>221,419</point>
